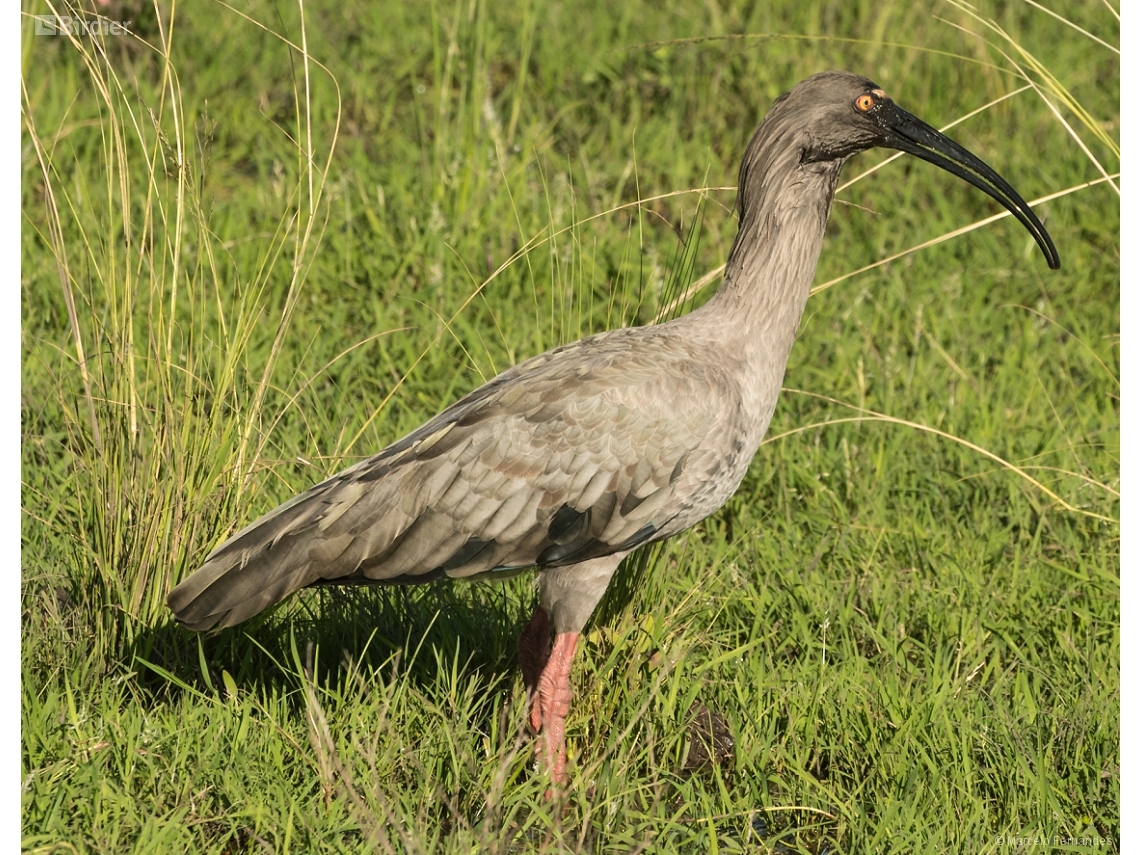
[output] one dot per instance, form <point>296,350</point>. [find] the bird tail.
<point>256,568</point>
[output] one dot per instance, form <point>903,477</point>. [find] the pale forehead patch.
<point>879,93</point>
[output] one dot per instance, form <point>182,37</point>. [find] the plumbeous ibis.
<point>572,459</point>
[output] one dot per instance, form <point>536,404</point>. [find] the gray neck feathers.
<point>783,205</point>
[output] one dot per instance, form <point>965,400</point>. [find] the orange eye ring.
<point>864,103</point>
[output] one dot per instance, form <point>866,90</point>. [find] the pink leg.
<point>546,674</point>
<point>554,696</point>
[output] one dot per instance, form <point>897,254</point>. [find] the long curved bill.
<point>910,134</point>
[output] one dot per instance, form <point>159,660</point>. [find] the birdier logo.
<point>65,25</point>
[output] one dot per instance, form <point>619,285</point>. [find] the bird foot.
<point>546,673</point>
<point>554,696</point>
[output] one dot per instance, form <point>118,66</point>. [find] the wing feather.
<point>576,454</point>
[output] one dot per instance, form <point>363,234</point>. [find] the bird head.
<point>831,116</point>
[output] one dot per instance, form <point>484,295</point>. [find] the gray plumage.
<point>574,455</point>
<point>572,459</point>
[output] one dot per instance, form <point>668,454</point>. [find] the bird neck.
<point>784,204</point>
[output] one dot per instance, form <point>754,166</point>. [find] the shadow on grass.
<point>473,625</point>
<point>332,631</point>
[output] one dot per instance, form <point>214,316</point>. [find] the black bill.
<point>912,135</point>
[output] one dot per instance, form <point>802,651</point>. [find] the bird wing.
<point>575,454</point>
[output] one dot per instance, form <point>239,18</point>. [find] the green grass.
<point>242,270</point>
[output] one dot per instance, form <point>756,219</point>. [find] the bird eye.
<point>864,102</point>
